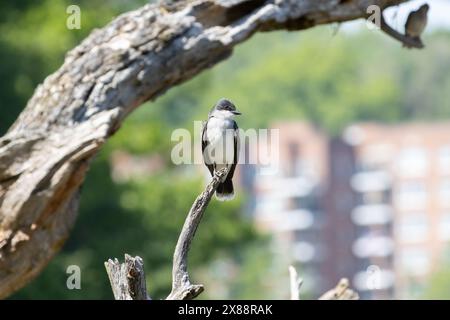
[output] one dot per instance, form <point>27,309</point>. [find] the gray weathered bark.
<point>137,57</point>
<point>127,279</point>
<point>182,288</point>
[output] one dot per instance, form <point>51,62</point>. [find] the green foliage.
<point>143,133</point>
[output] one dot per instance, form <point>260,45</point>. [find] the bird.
<point>416,22</point>
<point>220,145</point>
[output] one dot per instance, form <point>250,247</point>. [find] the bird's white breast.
<point>219,133</point>
<point>217,128</point>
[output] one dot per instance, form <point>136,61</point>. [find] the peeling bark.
<point>137,57</point>
<point>127,279</point>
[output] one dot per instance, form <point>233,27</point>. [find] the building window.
<point>294,220</point>
<point>444,226</point>
<point>444,159</point>
<point>412,162</point>
<point>270,206</point>
<point>373,246</point>
<point>375,157</point>
<point>413,228</point>
<point>374,181</point>
<point>376,197</point>
<point>415,261</point>
<point>372,215</point>
<point>303,251</point>
<point>411,195</point>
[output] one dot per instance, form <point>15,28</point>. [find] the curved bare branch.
<point>182,289</point>
<point>407,41</point>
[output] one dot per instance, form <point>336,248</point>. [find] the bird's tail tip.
<point>225,191</point>
<point>224,196</point>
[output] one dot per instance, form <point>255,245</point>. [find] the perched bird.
<point>220,145</point>
<point>416,22</point>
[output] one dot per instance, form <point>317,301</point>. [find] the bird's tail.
<point>225,191</point>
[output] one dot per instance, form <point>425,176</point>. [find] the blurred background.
<point>364,151</point>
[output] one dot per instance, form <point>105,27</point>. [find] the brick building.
<point>372,205</point>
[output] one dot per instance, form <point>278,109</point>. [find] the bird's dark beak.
<point>236,113</point>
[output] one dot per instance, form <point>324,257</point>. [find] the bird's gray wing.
<point>408,24</point>
<point>205,143</point>
<point>236,150</point>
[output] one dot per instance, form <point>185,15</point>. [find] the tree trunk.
<point>45,154</point>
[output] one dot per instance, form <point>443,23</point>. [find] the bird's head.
<point>224,109</point>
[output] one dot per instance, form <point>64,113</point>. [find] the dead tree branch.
<point>128,279</point>
<point>182,289</point>
<point>296,282</point>
<point>137,57</point>
<point>341,292</point>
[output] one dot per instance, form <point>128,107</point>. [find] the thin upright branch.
<point>182,288</point>
<point>296,283</point>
